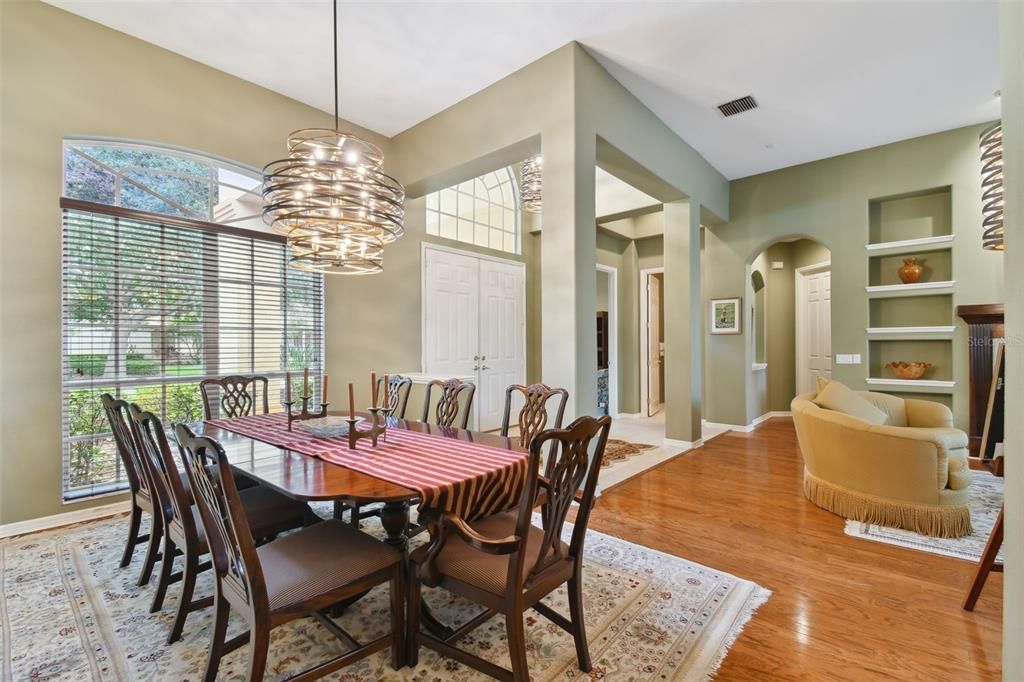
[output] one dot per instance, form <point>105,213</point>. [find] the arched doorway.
<point>790,320</point>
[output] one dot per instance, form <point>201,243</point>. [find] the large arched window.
<point>483,211</point>
<point>169,277</point>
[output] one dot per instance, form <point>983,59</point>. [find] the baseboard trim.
<point>8,530</point>
<point>686,444</point>
<point>752,425</point>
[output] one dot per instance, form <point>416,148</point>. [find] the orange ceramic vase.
<point>911,271</point>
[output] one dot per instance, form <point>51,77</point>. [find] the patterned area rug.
<point>67,612</point>
<point>620,450</point>
<point>986,498</point>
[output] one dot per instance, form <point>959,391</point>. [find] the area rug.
<point>67,612</point>
<point>620,450</point>
<point>986,498</point>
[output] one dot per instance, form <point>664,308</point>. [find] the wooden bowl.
<point>909,370</point>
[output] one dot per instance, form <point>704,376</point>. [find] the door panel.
<point>502,322</point>
<point>653,346</point>
<point>451,310</point>
<point>817,330</point>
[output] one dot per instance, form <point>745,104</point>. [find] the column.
<point>683,321</point>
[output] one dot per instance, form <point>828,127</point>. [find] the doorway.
<point>474,324</point>
<point>813,325</point>
<point>652,341</point>
<point>607,292</point>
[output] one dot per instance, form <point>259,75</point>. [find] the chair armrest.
<point>928,414</point>
<point>478,541</point>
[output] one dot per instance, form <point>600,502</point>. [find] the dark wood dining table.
<point>308,479</point>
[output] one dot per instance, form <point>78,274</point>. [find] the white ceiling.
<point>831,77</point>
<point>612,196</point>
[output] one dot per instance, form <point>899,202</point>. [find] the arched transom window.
<point>483,211</point>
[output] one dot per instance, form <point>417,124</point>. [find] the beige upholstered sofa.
<point>909,470</point>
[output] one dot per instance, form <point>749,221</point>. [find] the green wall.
<point>828,201</point>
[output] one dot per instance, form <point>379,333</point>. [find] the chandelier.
<point>530,183</point>
<point>991,143</point>
<point>331,199</point>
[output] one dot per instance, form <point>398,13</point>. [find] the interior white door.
<point>451,310</point>
<point>653,346</point>
<point>816,332</point>
<point>502,352</point>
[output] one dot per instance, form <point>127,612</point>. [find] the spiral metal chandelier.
<point>991,142</point>
<point>531,183</point>
<point>331,199</point>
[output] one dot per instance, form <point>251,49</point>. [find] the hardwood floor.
<point>842,608</point>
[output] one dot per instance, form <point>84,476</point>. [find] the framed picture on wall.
<point>726,315</point>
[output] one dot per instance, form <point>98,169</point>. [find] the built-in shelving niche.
<point>937,352</point>
<point>911,311</point>
<point>937,267</point>
<point>917,215</point>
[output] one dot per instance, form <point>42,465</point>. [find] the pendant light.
<point>331,198</point>
<point>531,183</point>
<point>991,143</point>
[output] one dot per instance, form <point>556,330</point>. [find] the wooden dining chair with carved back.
<point>451,409</point>
<point>298,575</point>
<point>269,513</point>
<point>398,390</point>
<point>506,564</point>
<point>235,396</point>
<point>143,497</point>
<point>534,415</point>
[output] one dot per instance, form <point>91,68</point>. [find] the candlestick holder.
<point>377,428</point>
<point>304,413</point>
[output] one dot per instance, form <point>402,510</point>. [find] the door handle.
<point>485,368</point>
<point>476,368</point>
<point>476,357</point>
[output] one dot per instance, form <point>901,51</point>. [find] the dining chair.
<point>398,389</point>
<point>451,407</point>
<point>533,415</point>
<point>139,485</point>
<point>236,396</point>
<point>505,563</point>
<point>298,575</point>
<point>269,513</point>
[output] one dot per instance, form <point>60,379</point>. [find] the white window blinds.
<point>152,305</point>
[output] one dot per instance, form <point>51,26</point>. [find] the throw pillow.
<point>839,397</point>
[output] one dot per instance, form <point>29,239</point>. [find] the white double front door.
<point>474,324</point>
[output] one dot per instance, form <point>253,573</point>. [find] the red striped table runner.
<point>468,479</point>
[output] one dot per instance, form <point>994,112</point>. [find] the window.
<point>156,297</point>
<point>483,211</point>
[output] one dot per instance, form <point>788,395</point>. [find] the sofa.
<point>895,462</point>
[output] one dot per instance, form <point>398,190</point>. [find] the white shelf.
<point>919,289</point>
<point>915,385</point>
<point>910,246</point>
<point>911,333</point>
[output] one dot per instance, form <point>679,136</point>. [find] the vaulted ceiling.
<point>830,77</point>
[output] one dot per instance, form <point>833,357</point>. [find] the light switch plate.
<point>847,359</point>
<point>778,265</point>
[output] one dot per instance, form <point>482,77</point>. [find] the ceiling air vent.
<point>737,106</point>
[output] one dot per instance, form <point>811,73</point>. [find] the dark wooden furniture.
<point>398,390</point>
<point>311,479</point>
<point>985,323</point>
<point>451,408</point>
<point>986,564</point>
<point>269,513</point>
<point>602,340</point>
<point>299,575</point>
<point>507,564</point>
<point>141,488</point>
<point>533,416</point>
<point>239,396</point>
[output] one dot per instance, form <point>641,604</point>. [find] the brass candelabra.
<point>378,427</point>
<point>304,413</point>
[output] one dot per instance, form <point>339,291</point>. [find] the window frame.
<point>253,326</point>
<point>507,177</point>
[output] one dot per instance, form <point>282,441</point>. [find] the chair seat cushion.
<point>270,512</point>
<point>320,559</point>
<point>488,572</point>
